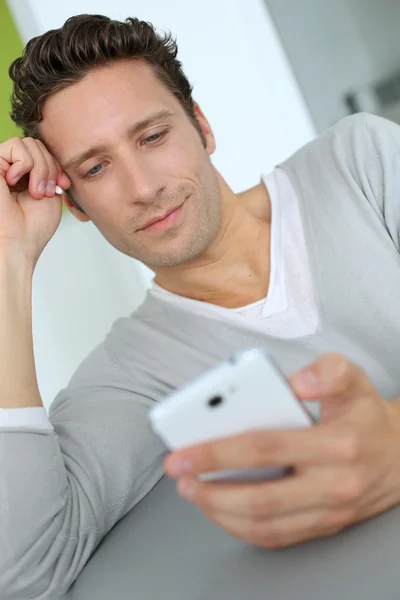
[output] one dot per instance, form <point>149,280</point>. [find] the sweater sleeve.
<point>381,153</point>
<point>62,490</point>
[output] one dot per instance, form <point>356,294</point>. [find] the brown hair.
<point>61,57</point>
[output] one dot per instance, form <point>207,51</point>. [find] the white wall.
<point>245,86</point>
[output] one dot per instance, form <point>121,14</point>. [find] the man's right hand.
<point>30,212</point>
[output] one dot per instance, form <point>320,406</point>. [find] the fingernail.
<point>186,488</point>
<point>179,465</point>
<point>51,187</point>
<point>306,379</point>
<point>59,190</point>
<point>41,187</point>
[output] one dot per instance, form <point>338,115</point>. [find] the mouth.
<point>164,222</point>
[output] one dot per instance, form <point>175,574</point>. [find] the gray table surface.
<point>165,549</point>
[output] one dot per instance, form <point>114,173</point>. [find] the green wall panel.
<point>10,48</point>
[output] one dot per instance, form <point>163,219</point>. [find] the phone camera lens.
<point>215,401</point>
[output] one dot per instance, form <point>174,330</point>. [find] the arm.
<point>377,156</point>
<point>62,488</point>
<point>384,140</point>
<point>18,383</point>
<point>66,489</point>
<point>60,491</point>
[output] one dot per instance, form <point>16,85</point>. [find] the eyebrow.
<point>132,131</point>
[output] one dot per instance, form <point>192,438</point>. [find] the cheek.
<point>101,203</point>
<point>101,197</point>
<point>182,160</point>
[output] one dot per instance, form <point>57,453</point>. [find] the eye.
<point>153,138</point>
<point>95,170</point>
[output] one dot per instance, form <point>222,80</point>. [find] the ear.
<point>205,128</point>
<point>72,207</point>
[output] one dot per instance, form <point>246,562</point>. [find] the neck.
<point>234,270</point>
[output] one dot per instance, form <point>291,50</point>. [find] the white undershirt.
<point>288,310</point>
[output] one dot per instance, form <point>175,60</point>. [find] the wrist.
<point>15,299</point>
<point>15,269</point>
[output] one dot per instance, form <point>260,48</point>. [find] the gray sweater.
<point>61,491</point>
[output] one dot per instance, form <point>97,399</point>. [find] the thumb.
<point>6,200</point>
<point>333,381</point>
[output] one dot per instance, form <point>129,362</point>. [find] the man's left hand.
<point>345,469</point>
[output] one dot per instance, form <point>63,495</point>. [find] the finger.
<point>312,488</point>
<point>4,167</point>
<point>63,181</point>
<point>55,171</point>
<point>39,175</point>
<point>258,501</point>
<point>16,155</point>
<point>317,445</point>
<point>331,375</point>
<point>52,169</point>
<point>6,198</point>
<point>285,531</point>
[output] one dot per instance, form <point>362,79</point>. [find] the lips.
<point>161,218</point>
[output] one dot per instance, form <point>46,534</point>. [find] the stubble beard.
<point>201,227</point>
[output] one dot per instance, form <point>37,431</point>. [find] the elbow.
<point>42,574</point>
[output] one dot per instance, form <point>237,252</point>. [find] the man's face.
<point>133,155</point>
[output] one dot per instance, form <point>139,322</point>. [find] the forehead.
<point>102,104</point>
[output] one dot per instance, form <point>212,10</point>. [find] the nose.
<point>141,181</point>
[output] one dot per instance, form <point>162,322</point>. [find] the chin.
<point>173,255</point>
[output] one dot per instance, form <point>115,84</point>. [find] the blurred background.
<point>345,55</point>
<point>269,75</point>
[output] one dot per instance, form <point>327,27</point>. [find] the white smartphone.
<point>247,392</point>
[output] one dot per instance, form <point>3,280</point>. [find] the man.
<point>306,264</point>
